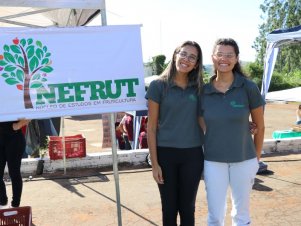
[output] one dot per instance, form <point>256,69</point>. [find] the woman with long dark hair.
<point>174,137</point>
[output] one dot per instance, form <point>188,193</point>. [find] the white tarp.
<point>43,13</point>
<point>74,4</point>
<point>33,17</point>
<point>149,79</point>
<point>293,95</point>
<point>275,40</point>
<point>51,72</point>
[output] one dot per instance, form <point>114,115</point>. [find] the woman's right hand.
<point>22,122</point>
<point>253,128</point>
<point>157,174</point>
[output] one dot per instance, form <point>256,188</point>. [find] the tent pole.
<point>63,142</point>
<point>103,14</point>
<point>115,167</point>
<point>113,140</point>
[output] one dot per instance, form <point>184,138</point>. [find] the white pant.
<point>240,176</point>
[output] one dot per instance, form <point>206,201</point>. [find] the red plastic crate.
<point>75,147</point>
<point>20,216</point>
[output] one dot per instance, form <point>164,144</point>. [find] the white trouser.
<point>240,176</point>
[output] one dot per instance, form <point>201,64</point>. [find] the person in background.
<point>143,133</point>
<point>126,128</point>
<point>12,147</point>
<point>174,136</point>
<point>120,140</point>
<point>231,153</point>
<point>298,114</point>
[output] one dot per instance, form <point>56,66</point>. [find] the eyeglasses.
<point>225,55</point>
<point>190,58</point>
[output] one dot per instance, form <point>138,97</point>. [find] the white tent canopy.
<point>44,13</point>
<point>75,4</point>
<point>293,95</point>
<point>275,40</point>
<point>149,79</point>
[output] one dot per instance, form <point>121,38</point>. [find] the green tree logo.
<point>25,65</point>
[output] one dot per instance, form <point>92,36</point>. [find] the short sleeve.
<point>255,98</point>
<point>155,90</point>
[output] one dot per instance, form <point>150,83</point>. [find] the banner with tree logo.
<point>51,72</point>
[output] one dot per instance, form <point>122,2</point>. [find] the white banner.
<point>53,72</point>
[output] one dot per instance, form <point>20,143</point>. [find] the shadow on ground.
<point>85,117</point>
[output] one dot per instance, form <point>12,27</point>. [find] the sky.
<point>167,23</point>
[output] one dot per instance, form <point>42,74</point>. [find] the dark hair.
<point>229,42</point>
<point>299,106</point>
<point>195,76</point>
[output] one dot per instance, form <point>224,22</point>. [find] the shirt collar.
<point>238,82</point>
<point>173,84</point>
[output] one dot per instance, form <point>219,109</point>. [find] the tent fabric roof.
<point>53,4</point>
<point>284,36</point>
<point>38,13</point>
<point>36,17</point>
<point>285,95</point>
<point>275,40</point>
<point>281,31</point>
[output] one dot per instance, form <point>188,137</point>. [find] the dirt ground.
<point>90,197</point>
<point>278,116</point>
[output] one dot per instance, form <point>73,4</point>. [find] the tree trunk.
<point>27,99</point>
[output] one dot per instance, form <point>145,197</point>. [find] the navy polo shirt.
<point>178,114</point>
<point>228,137</point>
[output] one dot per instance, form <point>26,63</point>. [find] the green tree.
<point>158,64</point>
<point>255,71</point>
<point>207,73</point>
<point>25,64</point>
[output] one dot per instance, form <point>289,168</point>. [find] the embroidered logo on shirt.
<point>192,97</point>
<point>235,105</point>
